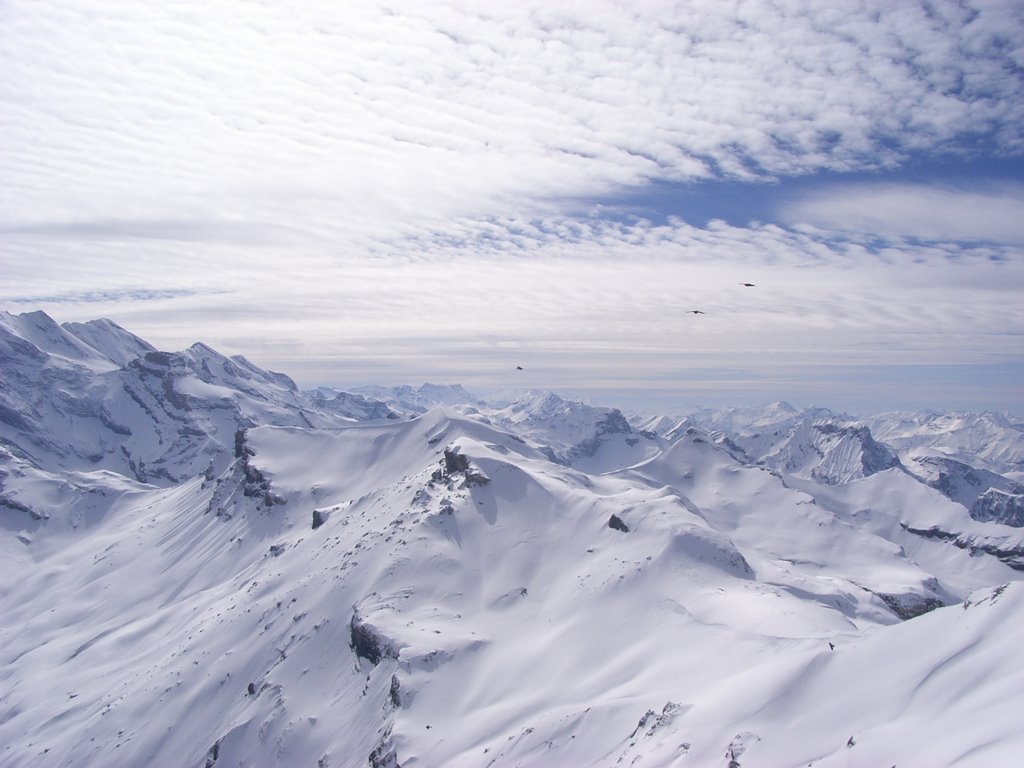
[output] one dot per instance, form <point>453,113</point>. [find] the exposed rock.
<point>933,533</point>
<point>395,692</point>
<point>241,449</point>
<point>211,755</point>
<point>910,605</point>
<point>999,507</point>
<point>1009,555</point>
<point>256,484</point>
<point>475,478</point>
<point>652,722</point>
<point>615,523</point>
<point>739,745</point>
<point>368,642</point>
<point>17,506</point>
<point>384,755</point>
<point>456,463</point>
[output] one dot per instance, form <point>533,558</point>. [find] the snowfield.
<point>205,566</point>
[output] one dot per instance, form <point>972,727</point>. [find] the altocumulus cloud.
<point>341,117</point>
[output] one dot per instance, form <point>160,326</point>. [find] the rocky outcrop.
<point>616,524</point>
<point>7,501</point>
<point>241,484</point>
<point>255,485</point>
<point>910,604</point>
<point>456,465</point>
<point>368,642</point>
<point>996,506</point>
<point>212,754</point>
<point>384,754</point>
<point>455,462</point>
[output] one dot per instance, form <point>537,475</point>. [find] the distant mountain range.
<point>204,565</point>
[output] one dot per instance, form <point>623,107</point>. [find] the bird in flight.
<point>519,367</point>
<point>696,312</point>
<point>747,285</point>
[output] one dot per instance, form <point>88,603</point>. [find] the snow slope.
<point>438,591</point>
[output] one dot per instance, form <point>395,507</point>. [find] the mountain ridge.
<point>331,578</point>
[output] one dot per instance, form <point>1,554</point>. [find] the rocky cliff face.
<point>999,507</point>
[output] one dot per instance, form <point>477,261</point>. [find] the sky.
<point>398,192</point>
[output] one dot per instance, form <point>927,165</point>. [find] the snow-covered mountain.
<point>959,481</point>
<point>592,438</point>
<point>351,405</point>
<point>830,451</point>
<point>976,459</point>
<point>760,426</point>
<point>90,396</point>
<point>993,441</point>
<point>813,443</point>
<point>408,400</point>
<point>534,584</point>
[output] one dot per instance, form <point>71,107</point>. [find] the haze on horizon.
<point>405,192</point>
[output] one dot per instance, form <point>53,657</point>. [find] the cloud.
<point>915,211</point>
<point>195,231</point>
<point>386,187</point>
<point>578,302</point>
<point>103,297</point>
<point>339,120</point>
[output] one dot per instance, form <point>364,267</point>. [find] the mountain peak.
<point>42,331</point>
<point>110,339</point>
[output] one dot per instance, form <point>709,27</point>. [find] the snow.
<point>991,440</point>
<point>463,600</point>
